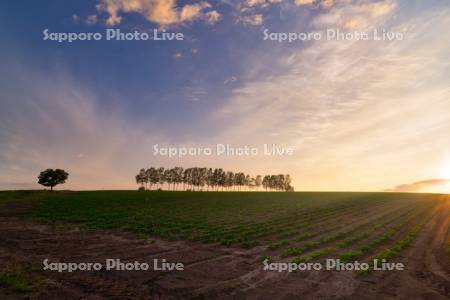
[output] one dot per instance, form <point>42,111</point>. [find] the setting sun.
<point>445,174</point>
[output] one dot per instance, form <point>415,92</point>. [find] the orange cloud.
<point>419,185</point>
<point>323,3</point>
<point>255,2</point>
<point>253,20</point>
<point>162,12</point>
<point>304,2</point>
<point>381,8</point>
<point>353,15</point>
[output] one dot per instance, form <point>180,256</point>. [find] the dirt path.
<point>210,271</point>
<point>428,267</point>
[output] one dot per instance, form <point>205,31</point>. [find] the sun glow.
<point>445,170</point>
<point>444,173</point>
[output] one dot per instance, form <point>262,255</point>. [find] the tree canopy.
<point>51,178</point>
<point>212,179</point>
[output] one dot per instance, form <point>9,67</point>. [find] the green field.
<point>294,226</point>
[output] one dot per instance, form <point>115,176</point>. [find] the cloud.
<point>192,11</point>
<point>91,20</point>
<point>380,8</point>
<point>75,18</point>
<point>304,2</point>
<point>212,17</point>
<point>252,3</point>
<point>230,80</point>
<point>194,92</point>
<point>259,3</point>
<point>377,8</point>
<point>359,15</point>
<point>249,12</point>
<point>251,20</point>
<point>347,14</point>
<point>162,12</point>
<point>322,3</point>
<point>419,185</point>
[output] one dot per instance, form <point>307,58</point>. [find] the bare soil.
<point>211,272</point>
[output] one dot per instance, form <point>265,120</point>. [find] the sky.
<point>361,115</point>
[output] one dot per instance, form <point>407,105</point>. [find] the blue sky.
<point>96,108</point>
<point>145,77</point>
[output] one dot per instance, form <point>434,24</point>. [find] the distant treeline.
<point>210,179</point>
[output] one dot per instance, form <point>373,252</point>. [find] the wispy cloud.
<point>357,15</point>
<point>252,20</point>
<point>360,113</point>
<point>419,185</point>
<point>56,122</point>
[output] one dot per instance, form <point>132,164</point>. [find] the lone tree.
<point>52,177</point>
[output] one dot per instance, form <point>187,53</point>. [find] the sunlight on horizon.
<point>444,189</point>
<point>445,170</point>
